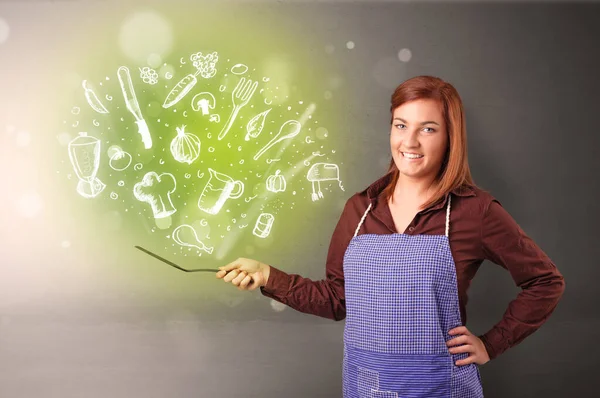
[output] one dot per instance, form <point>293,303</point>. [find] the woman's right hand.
<point>245,273</point>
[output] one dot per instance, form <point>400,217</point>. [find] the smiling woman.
<point>401,284</point>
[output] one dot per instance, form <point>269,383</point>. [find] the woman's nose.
<point>411,139</point>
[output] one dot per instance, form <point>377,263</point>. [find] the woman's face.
<point>418,129</point>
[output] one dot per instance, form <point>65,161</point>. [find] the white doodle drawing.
<point>256,124</point>
<point>205,63</point>
<point>138,166</point>
<point>185,235</point>
<point>251,212</point>
<point>269,161</point>
<point>156,190</point>
<point>240,97</point>
<point>76,110</point>
<point>133,106</point>
<point>276,182</point>
<point>84,153</point>
<point>114,196</point>
<point>204,101</point>
<point>148,75</point>
<point>263,225</point>
<point>205,67</point>
<point>218,189</point>
<point>308,140</point>
<point>214,118</point>
<point>288,130</point>
<point>108,97</point>
<point>95,123</point>
<point>322,172</point>
<point>185,147</point>
<point>239,69</point>
<point>120,160</point>
<point>93,99</point>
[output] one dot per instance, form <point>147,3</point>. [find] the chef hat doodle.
<point>156,190</point>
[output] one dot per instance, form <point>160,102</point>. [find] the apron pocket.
<point>375,374</point>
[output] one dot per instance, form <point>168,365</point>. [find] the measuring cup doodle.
<point>218,189</point>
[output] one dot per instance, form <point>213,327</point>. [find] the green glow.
<point>291,83</point>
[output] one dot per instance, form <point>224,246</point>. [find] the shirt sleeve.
<point>542,285</point>
<point>324,298</point>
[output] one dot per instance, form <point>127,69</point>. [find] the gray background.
<point>528,76</point>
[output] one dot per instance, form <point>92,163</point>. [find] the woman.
<point>403,255</point>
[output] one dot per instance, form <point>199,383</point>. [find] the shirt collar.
<point>375,190</point>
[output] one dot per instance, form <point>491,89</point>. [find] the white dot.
<point>64,139</point>
<point>404,55</point>
<point>113,150</point>
<point>145,33</point>
<point>154,60</point>
<point>163,222</point>
<point>23,138</point>
<point>350,45</point>
<point>321,133</point>
<point>167,71</point>
<point>29,205</point>
<point>4,30</point>
<point>65,244</point>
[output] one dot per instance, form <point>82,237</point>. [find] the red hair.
<point>454,171</point>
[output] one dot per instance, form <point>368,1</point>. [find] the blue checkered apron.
<point>401,301</point>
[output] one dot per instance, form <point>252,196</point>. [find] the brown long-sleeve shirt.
<point>480,229</point>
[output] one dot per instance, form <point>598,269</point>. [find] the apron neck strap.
<point>448,214</point>
<point>362,219</point>
<point>371,204</point>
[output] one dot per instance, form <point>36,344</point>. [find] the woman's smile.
<point>412,156</point>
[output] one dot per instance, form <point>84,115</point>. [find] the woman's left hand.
<point>469,343</point>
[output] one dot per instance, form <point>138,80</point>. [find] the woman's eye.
<point>431,130</point>
<point>398,125</point>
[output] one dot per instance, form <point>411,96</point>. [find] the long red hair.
<point>454,171</point>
